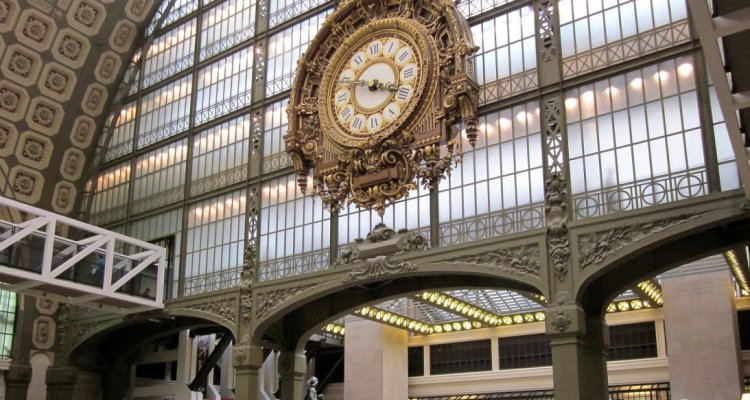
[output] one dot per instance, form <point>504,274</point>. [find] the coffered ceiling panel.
<point>61,61</point>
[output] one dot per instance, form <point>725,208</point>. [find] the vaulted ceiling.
<point>62,62</point>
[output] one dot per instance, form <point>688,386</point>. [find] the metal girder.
<point>709,31</point>
<point>200,380</point>
<point>36,261</point>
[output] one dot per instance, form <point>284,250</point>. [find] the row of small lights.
<point>172,39</point>
<point>684,70</point>
<point>652,290</point>
<point>453,304</point>
<point>207,142</point>
<point>113,177</point>
<point>490,319</point>
<point>587,97</point>
<point>629,305</point>
<point>413,325</point>
<point>739,276</point>
<point>227,10</point>
<point>177,154</point>
<point>219,206</point>
<point>423,328</point>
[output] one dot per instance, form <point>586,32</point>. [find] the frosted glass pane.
<point>677,156</point>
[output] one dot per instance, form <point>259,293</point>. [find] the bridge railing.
<point>99,268</point>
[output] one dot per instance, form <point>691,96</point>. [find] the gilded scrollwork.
<point>376,168</point>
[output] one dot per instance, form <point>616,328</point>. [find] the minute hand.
<point>373,85</point>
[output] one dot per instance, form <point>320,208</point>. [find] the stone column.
<point>375,361</point>
<point>66,383</point>
<point>702,335</point>
<point>247,361</point>
<point>292,367</point>
<point>17,380</point>
<point>579,345</point>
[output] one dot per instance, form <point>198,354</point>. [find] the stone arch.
<point>304,309</point>
<point>111,347</point>
<point>639,251</point>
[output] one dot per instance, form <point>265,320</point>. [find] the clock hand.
<point>373,85</point>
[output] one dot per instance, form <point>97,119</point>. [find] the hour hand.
<point>374,85</point>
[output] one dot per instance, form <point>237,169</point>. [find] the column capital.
<point>18,373</point>
<point>565,320</point>
<point>292,363</point>
<point>61,376</point>
<point>247,356</point>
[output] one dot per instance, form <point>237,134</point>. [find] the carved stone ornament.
<point>556,211</point>
<point>269,300</point>
<point>382,241</point>
<point>378,266</point>
<point>376,98</point>
<point>523,260</point>
<point>246,306</point>
<point>44,332</point>
<point>224,309</point>
<point>595,247</point>
<point>560,322</point>
<point>240,357</point>
<point>84,330</point>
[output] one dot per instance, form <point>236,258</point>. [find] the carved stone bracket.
<point>565,320</point>
<point>595,247</point>
<point>240,357</point>
<point>378,266</point>
<point>560,322</point>
<point>382,241</point>
<point>521,260</point>
<point>225,309</point>
<point>269,300</point>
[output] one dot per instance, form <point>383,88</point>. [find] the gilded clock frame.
<point>374,170</point>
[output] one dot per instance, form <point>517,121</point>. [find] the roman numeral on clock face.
<point>409,72</point>
<point>358,59</point>
<point>391,47</point>
<point>359,122</point>
<point>346,113</point>
<point>373,49</point>
<point>403,56</point>
<point>403,93</point>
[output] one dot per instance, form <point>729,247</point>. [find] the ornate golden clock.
<point>377,99</point>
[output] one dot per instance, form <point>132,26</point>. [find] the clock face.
<point>374,85</point>
<point>377,85</point>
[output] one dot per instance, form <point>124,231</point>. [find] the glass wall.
<point>215,236</point>
<point>499,187</point>
<point>285,48</point>
<point>159,177</point>
<point>226,25</point>
<point>636,139</point>
<point>506,61</point>
<point>294,233</point>
<point>201,141</point>
<point>597,33</point>
<point>220,155</point>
